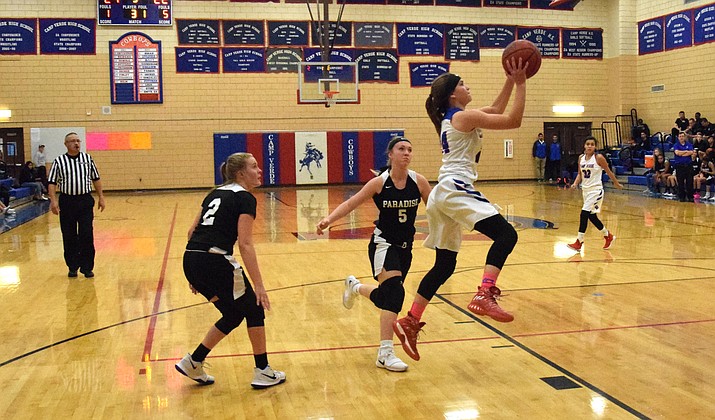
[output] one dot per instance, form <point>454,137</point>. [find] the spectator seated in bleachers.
<point>29,179</point>
<point>638,129</point>
<point>706,177</point>
<point>681,123</point>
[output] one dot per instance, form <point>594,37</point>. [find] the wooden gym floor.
<point>612,334</point>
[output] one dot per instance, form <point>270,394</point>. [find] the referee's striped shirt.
<point>73,175</point>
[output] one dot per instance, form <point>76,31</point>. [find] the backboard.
<point>328,83</point>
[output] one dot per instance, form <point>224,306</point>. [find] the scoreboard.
<point>134,12</point>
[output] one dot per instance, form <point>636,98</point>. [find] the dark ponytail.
<point>437,102</point>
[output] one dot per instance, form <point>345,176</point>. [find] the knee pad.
<point>231,317</point>
<point>504,243</point>
<point>444,264</point>
<point>389,295</point>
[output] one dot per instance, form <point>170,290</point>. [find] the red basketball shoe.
<point>609,240</point>
<point>576,246</point>
<point>407,329</point>
<point>485,303</point>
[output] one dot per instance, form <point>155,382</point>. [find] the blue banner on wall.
<point>373,34</point>
<point>546,39</point>
<point>342,73</point>
<point>342,36</point>
<point>351,152</point>
<point>462,42</point>
<point>544,4</point>
<point>506,3</point>
<point>378,65</point>
<point>704,24</point>
<point>422,74</point>
<point>196,60</point>
<point>679,30</point>
<point>380,140</point>
<point>68,36</point>
<point>283,59</point>
<point>464,3</point>
<point>226,145</point>
<point>244,32</point>
<point>288,33</point>
<point>271,167</point>
<point>244,60</point>
<point>18,36</point>
<point>582,43</point>
<point>496,36</point>
<point>650,36</point>
<point>198,32</point>
<point>420,39</point>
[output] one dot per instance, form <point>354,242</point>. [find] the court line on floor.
<point>547,361</point>
<point>149,341</point>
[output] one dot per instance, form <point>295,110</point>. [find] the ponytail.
<point>437,102</point>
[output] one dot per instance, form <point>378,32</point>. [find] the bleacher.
<point>18,196</point>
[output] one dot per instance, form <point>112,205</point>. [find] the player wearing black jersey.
<point>397,192</point>
<point>227,215</point>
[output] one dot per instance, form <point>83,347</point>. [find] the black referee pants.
<point>76,216</point>
<point>684,176</point>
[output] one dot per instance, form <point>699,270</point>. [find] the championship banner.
<point>303,158</point>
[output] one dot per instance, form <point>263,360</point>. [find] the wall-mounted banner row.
<point>57,36</point>
<point>300,158</point>
<point>677,30</point>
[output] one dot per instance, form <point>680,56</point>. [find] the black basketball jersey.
<point>398,210</point>
<point>218,225</point>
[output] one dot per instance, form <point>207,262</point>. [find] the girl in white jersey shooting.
<point>454,204</point>
<point>590,169</point>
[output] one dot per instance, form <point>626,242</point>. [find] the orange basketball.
<point>527,51</point>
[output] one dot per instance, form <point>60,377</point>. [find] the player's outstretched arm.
<point>366,192</point>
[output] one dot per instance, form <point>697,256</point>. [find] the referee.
<point>72,175</point>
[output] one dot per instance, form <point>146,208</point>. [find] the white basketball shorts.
<point>592,200</point>
<point>454,204</point>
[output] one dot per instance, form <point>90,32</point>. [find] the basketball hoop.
<point>330,98</point>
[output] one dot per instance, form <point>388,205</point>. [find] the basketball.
<point>527,51</point>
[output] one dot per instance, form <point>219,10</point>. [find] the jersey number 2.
<point>208,218</point>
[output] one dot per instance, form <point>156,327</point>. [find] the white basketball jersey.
<point>460,150</point>
<point>591,172</point>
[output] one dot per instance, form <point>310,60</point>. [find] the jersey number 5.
<point>402,215</point>
<point>208,218</point>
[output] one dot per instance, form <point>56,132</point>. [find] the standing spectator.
<point>72,175</point>
<point>682,161</point>
<point>40,161</point>
<point>553,158</point>
<point>226,217</point>
<point>539,154</point>
<point>29,179</point>
<point>681,124</point>
<point>396,192</point>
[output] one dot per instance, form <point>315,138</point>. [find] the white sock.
<point>386,347</point>
<point>604,231</point>
<point>356,288</point>
<point>580,236</point>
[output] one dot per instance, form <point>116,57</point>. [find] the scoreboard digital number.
<point>134,12</point>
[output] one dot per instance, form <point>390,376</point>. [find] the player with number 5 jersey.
<point>591,166</point>
<point>226,217</point>
<point>396,192</point>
